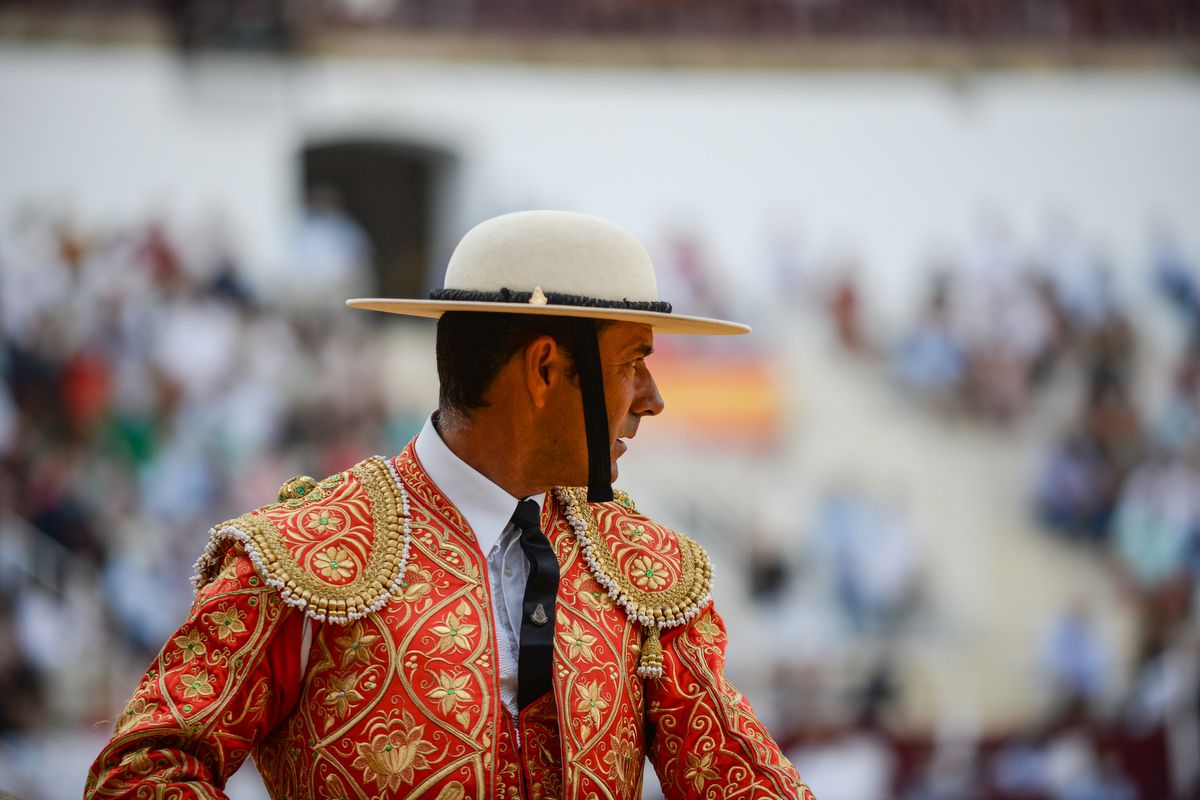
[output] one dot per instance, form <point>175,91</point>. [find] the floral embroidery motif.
<point>342,693</point>
<point>591,702</point>
<point>228,621</point>
<point>324,521</point>
<point>391,758</point>
<point>708,629</point>
<point>138,762</point>
<point>699,770</point>
<point>191,645</point>
<point>451,691</point>
<point>649,574</point>
<point>452,632</point>
<point>356,645</point>
<point>625,760</point>
<point>578,642</point>
<point>592,595</point>
<point>335,563</point>
<point>138,711</point>
<point>634,533</point>
<point>334,790</point>
<point>196,684</point>
<point>413,589</point>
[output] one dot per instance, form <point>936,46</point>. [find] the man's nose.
<point>648,402</point>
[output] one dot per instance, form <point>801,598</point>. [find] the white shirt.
<point>488,509</point>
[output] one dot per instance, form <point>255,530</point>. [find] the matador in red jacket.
<point>481,615</point>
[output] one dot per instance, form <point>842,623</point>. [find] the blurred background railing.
<point>243,22</point>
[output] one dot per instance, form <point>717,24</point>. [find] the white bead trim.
<point>218,537</point>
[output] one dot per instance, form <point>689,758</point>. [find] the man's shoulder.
<point>333,548</point>
<point>660,576</point>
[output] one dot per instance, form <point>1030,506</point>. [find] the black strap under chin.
<point>595,415</point>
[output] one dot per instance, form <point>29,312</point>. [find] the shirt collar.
<point>485,506</point>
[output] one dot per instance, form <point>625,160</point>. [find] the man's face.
<point>629,394</point>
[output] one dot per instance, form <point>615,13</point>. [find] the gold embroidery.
<point>391,758</point>
<point>138,711</point>
<point>645,585</point>
<point>416,588</point>
<point>649,574</point>
<point>138,762</point>
<point>451,691</point>
<point>579,643</point>
<point>343,691</point>
<point>591,702</point>
<point>324,521</point>
<point>303,489</point>
<point>228,621</point>
<point>681,599</point>
<point>625,761</point>
<point>708,629</point>
<point>335,563</point>
<point>453,633</point>
<point>191,645</point>
<point>196,684</point>
<point>369,586</point>
<point>356,645</point>
<point>699,770</point>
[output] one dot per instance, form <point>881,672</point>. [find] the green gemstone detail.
<point>253,601</point>
<point>187,708</point>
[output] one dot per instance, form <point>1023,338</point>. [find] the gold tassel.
<point>650,665</point>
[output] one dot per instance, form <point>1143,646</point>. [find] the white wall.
<point>891,163</point>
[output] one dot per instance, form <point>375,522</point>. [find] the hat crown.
<point>560,252</point>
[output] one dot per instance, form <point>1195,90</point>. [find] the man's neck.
<point>496,451</point>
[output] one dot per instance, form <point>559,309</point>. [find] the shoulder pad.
<point>661,578</point>
<point>335,548</point>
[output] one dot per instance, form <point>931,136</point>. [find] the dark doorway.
<point>391,190</point>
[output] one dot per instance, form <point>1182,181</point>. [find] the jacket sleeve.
<point>221,683</point>
<point>706,741</point>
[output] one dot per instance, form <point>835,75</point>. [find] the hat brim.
<point>662,323</point>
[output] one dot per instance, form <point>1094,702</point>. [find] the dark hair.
<point>472,348</point>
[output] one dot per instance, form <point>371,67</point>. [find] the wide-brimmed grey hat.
<point>558,263</point>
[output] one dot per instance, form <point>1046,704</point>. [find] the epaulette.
<point>660,578</point>
<point>336,549</point>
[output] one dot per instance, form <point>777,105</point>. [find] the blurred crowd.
<point>150,390</point>
<point>996,331</point>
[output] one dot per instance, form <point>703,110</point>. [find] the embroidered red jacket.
<point>375,582</point>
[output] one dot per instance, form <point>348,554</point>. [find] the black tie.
<point>537,610</point>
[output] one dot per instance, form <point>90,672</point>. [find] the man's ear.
<point>543,364</point>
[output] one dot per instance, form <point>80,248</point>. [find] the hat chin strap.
<point>595,415</point>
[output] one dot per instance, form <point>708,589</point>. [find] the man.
<point>453,622</point>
